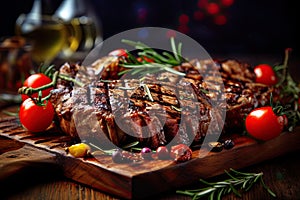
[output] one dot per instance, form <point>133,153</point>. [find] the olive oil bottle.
<point>83,25</point>
<point>45,34</point>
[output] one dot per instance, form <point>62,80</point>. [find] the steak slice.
<point>160,109</point>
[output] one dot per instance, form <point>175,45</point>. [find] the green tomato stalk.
<point>29,90</point>
<point>289,93</point>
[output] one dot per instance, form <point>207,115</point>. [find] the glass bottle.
<point>83,25</point>
<point>45,34</point>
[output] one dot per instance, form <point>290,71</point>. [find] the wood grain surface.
<point>27,157</point>
<point>281,174</point>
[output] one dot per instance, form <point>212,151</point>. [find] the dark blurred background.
<point>220,26</point>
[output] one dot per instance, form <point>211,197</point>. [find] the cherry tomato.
<point>162,153</point>
<point>265,74</point>
<point>35,81</point>
<point>36,118</point>
<point>118,53</point>
<point>145,59</point>
<point>263,124</point>
<point>146,153</point>
<point>282,119</point>
<point>180,153</point>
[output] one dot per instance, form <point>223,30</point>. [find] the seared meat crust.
<point>160,109</point>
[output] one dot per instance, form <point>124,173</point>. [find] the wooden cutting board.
<point>132,180</point>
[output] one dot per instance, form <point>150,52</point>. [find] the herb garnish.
<point>129,146</point>
<point>289,91</point>
<point>238,181</point>
<point>164,61</point>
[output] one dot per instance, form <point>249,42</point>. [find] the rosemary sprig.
<point>289,91</point>
<point>236,182</point>
<point>110,151</point>
<point>164,61</point>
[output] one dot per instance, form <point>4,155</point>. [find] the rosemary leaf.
<point>137,45</point>
<point>109,152</point>
<point>237,179</point>
<point>159,61</point>
<point>235,191</point>
<point>257,177</point>
<point>154,55</point>
<point>169,69</point>
<point>266,187</point>
<point>179,51</point>
<point>135,72</point>
<point>133,65</point>
<point>211,196</point>
<point>127,146</point>
<point>234,178</point>
<point>220,193</point>
<point>124,72</point>
<point>186,193</point>
<point>205,192</point>
<point>244,186</point>
<point>168,55</point>
<point>250,184</point>
<point>205,182</point>
<point>174,49</point>
<point>175,108</point>
<point>149,56</point>
<point>132,58</point>
<point>148,92</point>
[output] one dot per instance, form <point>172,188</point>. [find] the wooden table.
<point>281,174</point>
<point>46,181</point>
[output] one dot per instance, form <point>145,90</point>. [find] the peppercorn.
<point>228,144</point>
<point>118,156</point>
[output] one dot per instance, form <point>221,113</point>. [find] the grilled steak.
<point>159,109</point>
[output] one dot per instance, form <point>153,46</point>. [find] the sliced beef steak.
<point>159,109</point>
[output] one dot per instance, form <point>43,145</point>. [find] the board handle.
<point>15,161</point>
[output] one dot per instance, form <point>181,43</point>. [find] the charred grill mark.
<point>181,108</point>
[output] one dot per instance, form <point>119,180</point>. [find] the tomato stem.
<point>67,78</point>
<point>29,90</point>
<point>285,66</point>
<point>289,93</point>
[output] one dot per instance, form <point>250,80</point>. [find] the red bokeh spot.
<point>202,3</point>
<point>220,20</point>
<point>183,19</point>
<point>198,15</point>
<point>171,33</point>
<point>227,2</point>
<point>213,8</point>
<point>183,28</point>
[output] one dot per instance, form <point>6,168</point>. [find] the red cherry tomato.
<point>36,118</point>
<point>145,59</point>
<point>180,153</point>
<point>162,153</point>
<point>118,53</point>
<point>282,119</point>
<point>265,74</point>
<point>35,81</point>
<point>263,124</point>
